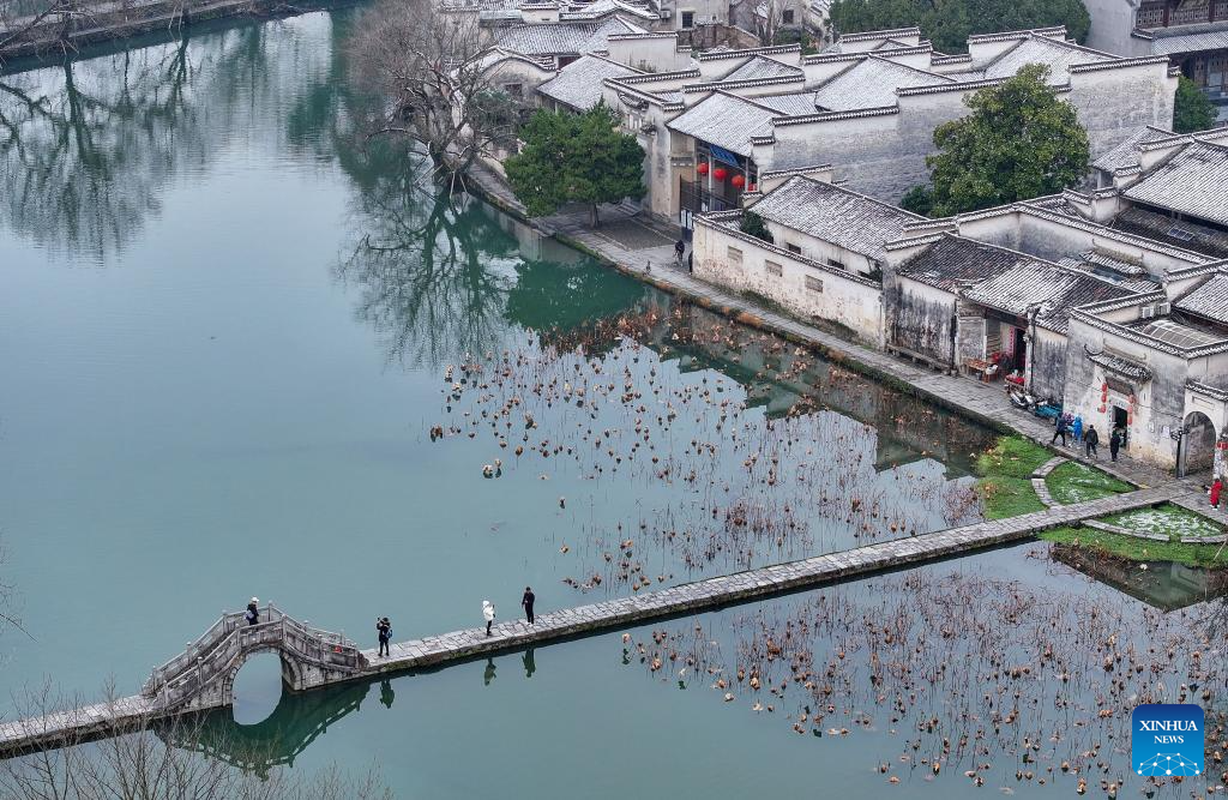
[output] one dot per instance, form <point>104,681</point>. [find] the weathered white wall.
<point>850,303</point>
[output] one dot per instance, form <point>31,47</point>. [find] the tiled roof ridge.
<point>1086,315</point>
<point>772,173</point>
<point>832,116</point>
<point>886,33</point>
<point>708,86</point>
<point>748,52</point>
<point>643,35</point>
<point>1001,36</point>
<point>926,72</point>
<point>1117,62</point>
<point>820,58</point>
<point>648,77</point>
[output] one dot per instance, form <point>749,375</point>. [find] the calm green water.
<point>226,330</point>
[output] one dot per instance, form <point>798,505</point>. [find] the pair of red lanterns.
<point>738,180</point>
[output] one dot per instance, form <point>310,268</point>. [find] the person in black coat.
<point>1115,443</point>
<point>1059,430</point>
<point>527,601</point>
<point>1090,439</point>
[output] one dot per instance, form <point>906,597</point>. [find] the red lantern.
<point>719,173</point>
<point>702,169</point>
<point>738,181</point>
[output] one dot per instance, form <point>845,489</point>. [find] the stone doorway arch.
<point>1197,444</point>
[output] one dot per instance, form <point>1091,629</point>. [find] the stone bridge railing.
<point>202,675</point>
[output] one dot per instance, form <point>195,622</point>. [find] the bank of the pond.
<point>987,405</point>
<point>1100,543</point>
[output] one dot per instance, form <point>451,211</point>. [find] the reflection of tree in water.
<point>87,147</point>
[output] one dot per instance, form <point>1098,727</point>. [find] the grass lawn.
<point>1073,482</point>
<point>1169,520</point>
<point>1005,477</point>
<point>1192,555</point>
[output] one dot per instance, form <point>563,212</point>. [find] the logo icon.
<point>1166,739</point>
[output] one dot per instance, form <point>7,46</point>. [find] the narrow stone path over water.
<point>433,651</point>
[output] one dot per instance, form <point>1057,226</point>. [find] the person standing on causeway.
<point>488,614</point>
<point>527,602</point>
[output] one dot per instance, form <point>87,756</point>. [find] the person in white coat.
<point>488,614</point>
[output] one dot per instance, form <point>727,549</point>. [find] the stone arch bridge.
<point>202,676</point>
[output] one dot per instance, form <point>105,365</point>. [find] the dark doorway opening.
<point>1120,418</point>
<point>1020,350</point>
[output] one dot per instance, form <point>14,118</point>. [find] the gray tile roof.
<point>1126,154</point>
<point>578,84</point>
<point>1201,38</point>
<point>1040,283</point>
<point>556,38</point>
<point>847,219</point>
<point>871,83</point>
<point>760,67</point>
<point>791,104</point>
<point>953,261</point>
<point>1121,366</point>
<point>726,121</point>
<point>1191,181</point>
<point>1209,300</point>
<point>1177,334</point>
<point>1183,234</point>
<point>1057,55</point>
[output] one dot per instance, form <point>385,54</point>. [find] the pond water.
<point>244,354</point>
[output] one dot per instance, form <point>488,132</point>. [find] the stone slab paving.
<point>433,651</point>
<point>1199,504</point>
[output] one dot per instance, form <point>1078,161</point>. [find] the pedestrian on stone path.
<point>1091,440</point>
<point>679,249</point>
<point>488,614</point>
<point>1115,443</point>
<point>527,602</point>
<point>252,615</point>
<point>383,630</point>
<point>1059,430</point>
<point>1216,488</point>
<point>690,261</point>
<point>1077,429</point>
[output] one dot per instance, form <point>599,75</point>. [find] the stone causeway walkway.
<point>705,595</point>
<point>1040,484</point>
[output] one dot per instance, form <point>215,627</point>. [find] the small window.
<point>513,89</point>
<point>688,20</point>
<point>831,262</point>
<point>786,16</point>
<point>735,255</point>
<point>814,284</point>
<point>792,248</point>
<point>773,269</point>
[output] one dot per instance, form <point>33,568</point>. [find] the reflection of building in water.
<point>783,380</point>
<point>296,722</point>
<point>1164,584</point>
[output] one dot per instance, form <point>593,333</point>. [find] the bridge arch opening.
<point>257,687</point>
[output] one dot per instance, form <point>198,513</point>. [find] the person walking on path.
<point>1091,440</point>
<point>488,614</point>
<point>1115,443</point>
<point>383,630</point>
<point>1077,429</point>
<point>527,602</point>
<point>679,250</point>
<point>252,615</point>
<point>1059,430</point>
<point>1216,488</point>
<point>690,261</point>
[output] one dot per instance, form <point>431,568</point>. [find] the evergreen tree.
<point>1192,109</point>
<point>575,158</point>
<point>949,23</point>
<point>1019,142</point>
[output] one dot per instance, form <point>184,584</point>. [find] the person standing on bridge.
<point>527,602</point>
<point>383,630</point>
<point>253,611</point>
<point>488,614</point>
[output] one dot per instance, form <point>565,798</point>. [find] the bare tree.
<point>437,81</point>
<point>139,765</point>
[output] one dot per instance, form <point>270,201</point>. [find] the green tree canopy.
<point>949,23</point>
<point>575,158</point>
<point>1192,109</point>
<point>1019,142</point>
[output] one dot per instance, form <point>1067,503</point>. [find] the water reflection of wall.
<point>786,379</point>
<point>1164,584</point>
